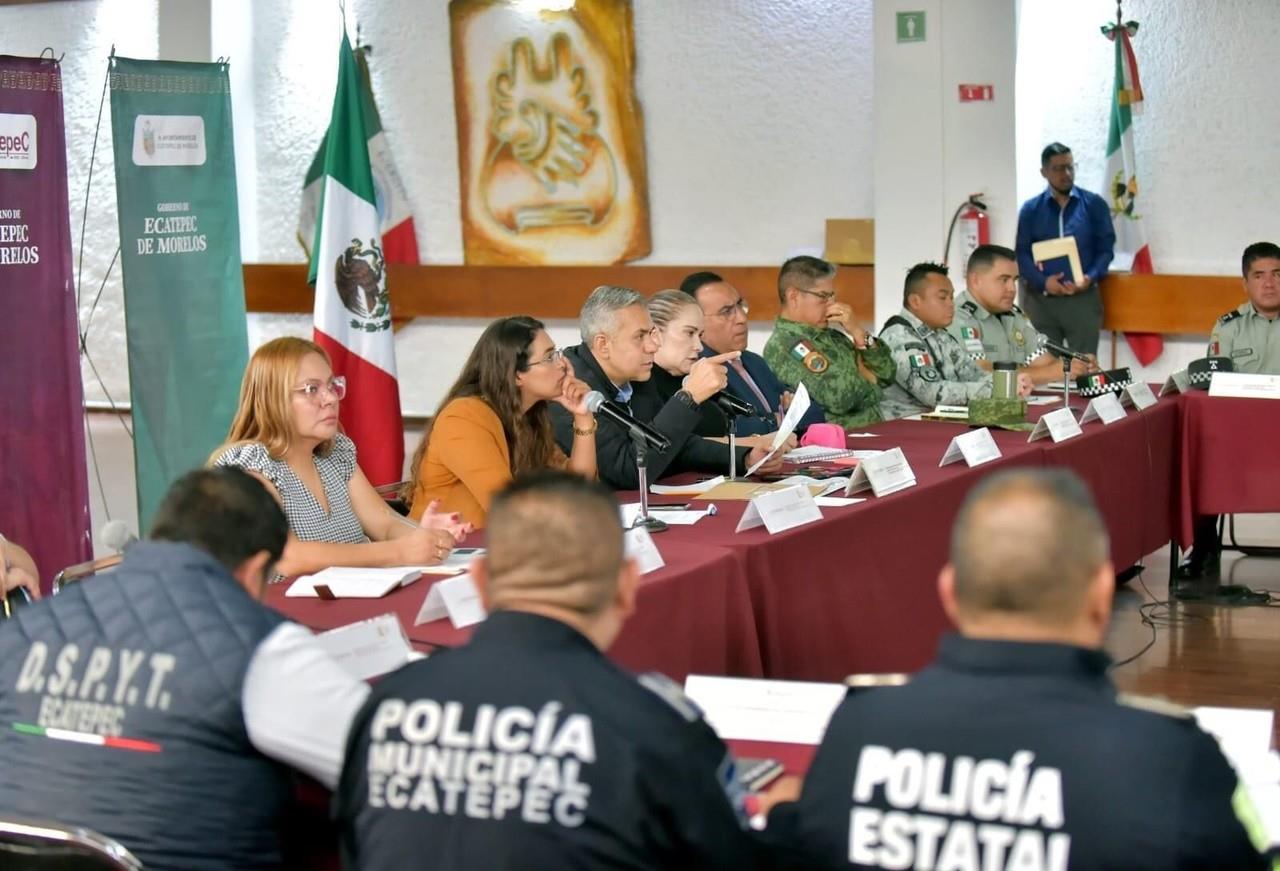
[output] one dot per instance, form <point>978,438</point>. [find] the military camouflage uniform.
<point>1249,339</point>
<point>932,369</point>
<point>827,362</point>
<point>1001,338</point>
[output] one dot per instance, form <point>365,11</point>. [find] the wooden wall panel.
<point>541,291</point>
<point>1186,304</point>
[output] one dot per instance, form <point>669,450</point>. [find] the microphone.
<point>1060,351</point>
<point>116,536</point>
<point>597,404</point>
<point>733,406</point>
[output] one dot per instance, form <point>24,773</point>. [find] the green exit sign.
<point>911,27</point>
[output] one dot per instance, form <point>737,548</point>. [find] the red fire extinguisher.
<point>975,228</point>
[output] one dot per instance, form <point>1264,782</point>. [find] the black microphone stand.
<point>1066,382</point>
<point>652,524</point>
<point>731,421</point>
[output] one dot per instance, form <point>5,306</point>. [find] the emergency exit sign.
<point>976,93</point>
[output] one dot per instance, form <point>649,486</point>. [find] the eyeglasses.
<point>313,391</point>
<point>733,307</point>
<point>555,355</point>
<point>825,296</point>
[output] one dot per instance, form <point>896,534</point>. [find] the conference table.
<point>856,591</point>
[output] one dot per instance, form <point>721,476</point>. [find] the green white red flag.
<point>348,270</point>
<point>1133,254</point>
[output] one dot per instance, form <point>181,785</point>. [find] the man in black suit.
<point>616,358</point>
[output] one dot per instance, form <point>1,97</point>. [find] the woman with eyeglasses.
<point>286,433</point>
<point>493,424</point>
<point>678,318</point>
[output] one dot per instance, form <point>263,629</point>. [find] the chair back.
<point>38,845</point>
<point>81,571</point>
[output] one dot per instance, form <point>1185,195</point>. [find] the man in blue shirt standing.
<point>1067,312</point>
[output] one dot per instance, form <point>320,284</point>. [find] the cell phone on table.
<point>678,506</point>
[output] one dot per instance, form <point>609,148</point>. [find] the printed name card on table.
<point>887,472</point>
<point>639,546</point>
<point>1106,408</point>
<point>975,448</point>
<point>455,598</point>
<point>1139,395</point>
<point>1060,425</point>
<point>746,709</point>
<point>780,510</point>
<point>1245,385</point>
<point>1178,382</point>
<point>368,648</point>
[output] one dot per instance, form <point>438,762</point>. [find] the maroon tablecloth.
<point>692,616</point>
<point>1227,458</point>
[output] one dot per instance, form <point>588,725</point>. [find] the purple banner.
<point>44,488</point>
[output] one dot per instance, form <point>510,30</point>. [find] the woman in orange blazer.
<point>493,424</point>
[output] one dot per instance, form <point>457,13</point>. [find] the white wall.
<point>931,150</point>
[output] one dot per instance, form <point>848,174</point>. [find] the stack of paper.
<point>346,582</point>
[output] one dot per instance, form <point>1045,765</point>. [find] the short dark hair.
<point>1028,541</point>
<point>697,280</point>
<point>1052,150</point>
<point>1257,251</point>
<point>985,256</point>
<point>225,512</point>
<point>801,272</point>
<point>554,538</point>
<point>916,276</point>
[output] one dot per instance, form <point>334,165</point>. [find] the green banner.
<point>180,249</point>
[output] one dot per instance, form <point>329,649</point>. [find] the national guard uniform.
<point>1249,339</point>
<point>1036,764</point>
<point>1003,337</point>
<point>931,368</point>
<point>826,361</point>
<point>527,748</point>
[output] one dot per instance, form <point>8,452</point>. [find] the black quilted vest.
<point>142,670</point>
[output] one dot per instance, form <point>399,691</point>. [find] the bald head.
<point>1028,545</point>
<point>554,542</point>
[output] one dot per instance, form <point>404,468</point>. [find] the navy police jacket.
<point>1013,755</point>
<point>527,748</point>
<point>120,710</point>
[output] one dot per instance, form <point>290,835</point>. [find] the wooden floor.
<point>1205,654</point>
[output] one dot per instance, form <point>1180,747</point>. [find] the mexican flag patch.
<point>920,361</point>
<point>801,350</point>
<point>970,333</point>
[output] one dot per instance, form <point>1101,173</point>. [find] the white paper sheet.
<point>794,712</point>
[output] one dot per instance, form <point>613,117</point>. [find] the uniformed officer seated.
<point>155,703</point>
<point>991,327</point>
<point>931,366</point>
<point>1250,336</point>
<point>1013,750</point>
<point>528,748</point>
<point>817,342</point>
<point>724,320</point>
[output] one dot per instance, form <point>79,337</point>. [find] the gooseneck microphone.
<point>116,536</point>
<point>1060,351</point>
<point>733,406</point>
<point>597,404</point>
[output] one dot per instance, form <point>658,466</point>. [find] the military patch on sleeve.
<point>1215,347</point>
<point>815,361</point>
<point>671,693</point>
<point>920,361</point>
<point>1229,317</point>
<point>972,339</point>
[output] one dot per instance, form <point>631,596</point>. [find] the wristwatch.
<point>686,399</point>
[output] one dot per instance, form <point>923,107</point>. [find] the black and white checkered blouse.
<point>307,518</point>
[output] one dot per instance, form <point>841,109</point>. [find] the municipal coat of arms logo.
<point>359,276</point>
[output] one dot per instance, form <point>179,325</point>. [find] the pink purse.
<point>826,435</point>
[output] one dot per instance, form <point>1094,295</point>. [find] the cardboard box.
<point>851,241</point>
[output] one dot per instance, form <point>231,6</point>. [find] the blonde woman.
<point>286,433</point>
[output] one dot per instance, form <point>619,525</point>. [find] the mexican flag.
<point>1132,252</point>
<point>399,242</point>
<point>348,270</point>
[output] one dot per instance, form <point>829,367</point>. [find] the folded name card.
<point>1139,395</point>
<point>1060,425</point>
<point>455,598</point>
<point>1245,385</point>
<point>1106,408</point>
<point>780,510</point>
<point>368,648</point>
<point>887,472</point>
<point>975,448</point>
<point>640,547</point>
<point>746,709</point>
